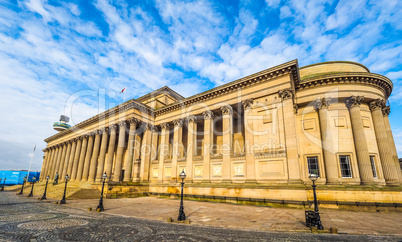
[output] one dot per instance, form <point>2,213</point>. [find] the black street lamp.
<point>182,216</point>
<point>100,206</point>
<point>33,183</point>
<point>44,194</point>
<point>4,182</point>
<point>313,217</point>
<point>22,187</point>
<point>63,200</point>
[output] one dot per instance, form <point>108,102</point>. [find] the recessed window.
<point>344,161</point>
<point>372,161</point>
<point>312,163</point>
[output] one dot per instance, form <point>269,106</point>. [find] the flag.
<point>34,148</point>
<point>124,89</point>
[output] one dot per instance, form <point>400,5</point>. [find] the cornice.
<point>335,62</point>
<point>118,109</point>
<point>377,80</point>
<point>290,67</point>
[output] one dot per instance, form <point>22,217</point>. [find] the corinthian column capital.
<point>227,109</point>
<point>286,94</point>
<point>165,126</point>
<point>178,122</point>
<point>248,103</point>
<point>386,110</point>
<point>354,101</point>
<point>191,118</point>
<point>208,114</point>
<point>377,104</point>
<point>322,103</point>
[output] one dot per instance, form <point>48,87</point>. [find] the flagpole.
<point>33,153</point>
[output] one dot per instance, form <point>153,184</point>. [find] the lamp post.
<point>44,194</point>
<point>182,216</point>
<point>313,217</point>
<point>33,183</point>
<point>63,200</point>
<point>4,182</point>
<point>100,206</point>
<point>22,187</point>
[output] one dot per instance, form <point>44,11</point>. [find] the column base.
<point>393,183</point>
<point>295,181</point>
<point>206,181</point>
<point>127,179</point>
<point>370,183</point>
<point>250,181</point>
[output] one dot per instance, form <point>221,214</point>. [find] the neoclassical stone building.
<point>259,136</point>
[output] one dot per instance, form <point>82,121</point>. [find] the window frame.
<point>349,164</point>
<point>374,166</point>
<point>317,164</point>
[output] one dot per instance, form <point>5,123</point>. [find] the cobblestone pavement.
<point>27,219</point>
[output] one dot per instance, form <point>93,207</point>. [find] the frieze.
<point>275,72</point>
<point>345,78</point>
<point>354,101</point>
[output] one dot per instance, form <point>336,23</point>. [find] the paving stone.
<point>29,220</point>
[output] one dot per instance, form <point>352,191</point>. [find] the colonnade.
<point>386,147</point>
<point>87,157</point>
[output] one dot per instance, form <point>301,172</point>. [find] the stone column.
<point>249,140</point>
<point>80,169</point>
<point>72,154</point>
<point>63,159</point>
<point>388,164</point>
<point>131,140</point>
<point>110,152</point>
<point>191,146</point>
<point>328,148</point>
<point>292,153</point>
<point>154,142</point>
<point>88,154</point>
<point>120,150</point>
<point>208,143</point>
<point>227,150</point>
<point>164,149</point>
<point>67,159</point>
<point>76,158</point>
<point>102,155</point>
<point>48,159</point>
<point>45,160</point>
<point>394,153</point>
<point>51,159</point>
<point>57,155</point>
<point>137,154</point>
<point>177,146</point>
<point>145,154</point>
<point>94,158</point>
<point>359,137</point>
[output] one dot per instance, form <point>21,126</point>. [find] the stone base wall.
<point>348,197</point>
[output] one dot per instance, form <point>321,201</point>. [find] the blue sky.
<point>73,58</point>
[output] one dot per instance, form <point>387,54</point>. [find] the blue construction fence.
<point>17,177</point>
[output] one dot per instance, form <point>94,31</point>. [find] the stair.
<point>75,190</point>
